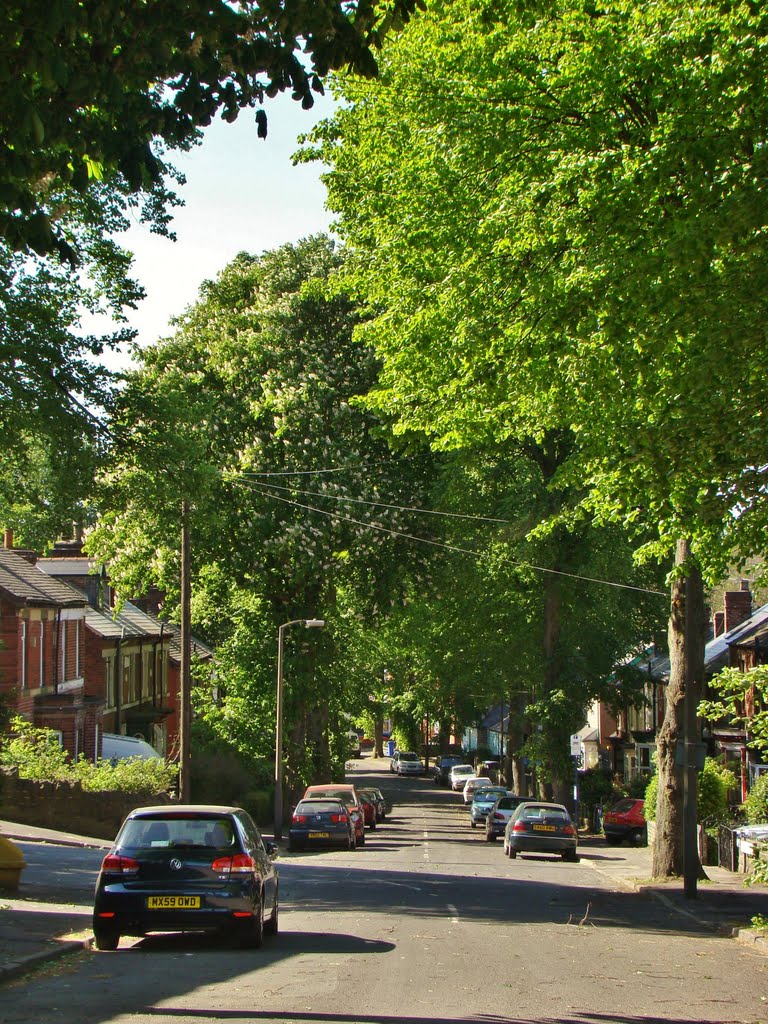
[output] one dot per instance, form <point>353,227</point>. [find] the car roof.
<point>180,809</point>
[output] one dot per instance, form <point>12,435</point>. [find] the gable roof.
<point>24,585</point>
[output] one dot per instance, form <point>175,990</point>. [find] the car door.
<point>265,867</point>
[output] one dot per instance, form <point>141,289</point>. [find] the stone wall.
<point>65,807</point>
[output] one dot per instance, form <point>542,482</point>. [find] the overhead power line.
<point>264,489</point>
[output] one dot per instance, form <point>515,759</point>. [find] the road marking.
<point>454,913</point>
<point>426,846</point>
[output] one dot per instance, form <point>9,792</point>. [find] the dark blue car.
<point>192,867</point>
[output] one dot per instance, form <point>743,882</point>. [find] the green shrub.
<point>712,793</point>
<point>756,804</point>
<point>36,754</point>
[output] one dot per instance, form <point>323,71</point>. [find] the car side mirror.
<point>272,850</point>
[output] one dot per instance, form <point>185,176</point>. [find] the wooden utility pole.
<point>185,681</point>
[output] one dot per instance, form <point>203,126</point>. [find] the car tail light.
<point>519,826</point>
<point>568,830</point>
<point>115,864</point>
<point>300,819</point>
<point>497,816</point>
<point>240,863</point>
<point>336,818</point>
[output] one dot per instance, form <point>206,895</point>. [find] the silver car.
<point>409,763</point>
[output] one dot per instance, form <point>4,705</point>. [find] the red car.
<point>369,810</point>
<point>626,820</point>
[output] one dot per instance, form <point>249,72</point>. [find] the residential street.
<point>426,923</point>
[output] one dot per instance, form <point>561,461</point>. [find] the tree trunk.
<point>686,660</point>
<point>378,736</point>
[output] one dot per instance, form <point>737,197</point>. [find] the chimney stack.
<point>738,606</point>
<point>8,538</point>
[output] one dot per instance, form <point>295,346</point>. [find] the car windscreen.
<point>409,757</point>
<point>175,832</point>
<point>489,796</point>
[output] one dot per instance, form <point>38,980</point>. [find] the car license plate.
<point>319,835</point>
<point>173,902</point>
<point>544,828</point>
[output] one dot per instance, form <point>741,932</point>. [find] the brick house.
<point>739,636</point>
<point>42,655</point>
<point>127,657</point>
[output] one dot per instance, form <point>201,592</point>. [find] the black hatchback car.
<point>320,822</point>
<point>193,867</point>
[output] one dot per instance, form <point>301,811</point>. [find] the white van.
<point>115,747</point>
<point>354,742</point>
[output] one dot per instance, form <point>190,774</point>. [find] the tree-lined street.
<point>426,923</point>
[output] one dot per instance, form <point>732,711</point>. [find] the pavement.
<point>42,922</point>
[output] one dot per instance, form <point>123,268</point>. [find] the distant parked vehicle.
<point>354,743</point>
<point>321,822</point>
<point>474,782</point>
<point>441,773</point>
<point>626,820</point>
<point>499,815</point>
<point>482,803</point>
<point>409,763</point>
<point>459,775</point>
<point>541,828</point>
<point>377,799</point>
<point>346,793</point>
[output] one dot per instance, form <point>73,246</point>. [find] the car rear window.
<point>319,806</point>
<point>174,831</point>
<point>624,805</point>
<point>551,814</point>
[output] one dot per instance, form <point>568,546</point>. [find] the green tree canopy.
<point>89,87</point>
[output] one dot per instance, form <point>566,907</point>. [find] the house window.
<point>63,635</point>
<point>23,654</point>
<point>77,648</point>
<point>109,682</point>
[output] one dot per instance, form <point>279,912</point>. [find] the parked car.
<point>408,763</point>
<point>187,867</point>
<point>473,783</point>
<point>377,799</point>
<point>354,743</point>
<point>348,794</point>
<point>321,822</point>
<point>370,816</point>
<point>499,815</point>
<point>459,775</point>
<point>625,820</point>
<point>483,802</point>
<point>441,773</point>
<point>537,827</point>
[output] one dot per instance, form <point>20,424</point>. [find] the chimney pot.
<point>8,538</point>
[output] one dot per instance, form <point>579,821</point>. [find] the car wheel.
<point>473,824</point>
<point>512,853</point>
<point>254,934</point>
<point>637,838</point>
<point>490,837</point>
<point>373,826</point>
<point>570,855</point>
<point>106,938</point>
<point>272,925</point>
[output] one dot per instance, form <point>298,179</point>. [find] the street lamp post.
<point>308,624</point>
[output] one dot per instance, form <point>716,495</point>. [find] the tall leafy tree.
<point>559,211</point>
<point>249,414</point>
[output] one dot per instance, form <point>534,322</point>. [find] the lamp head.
<point>314,623</point>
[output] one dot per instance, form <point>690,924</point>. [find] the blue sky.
<point>242,194</point>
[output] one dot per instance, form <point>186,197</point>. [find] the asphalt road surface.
<point>427,923</point>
